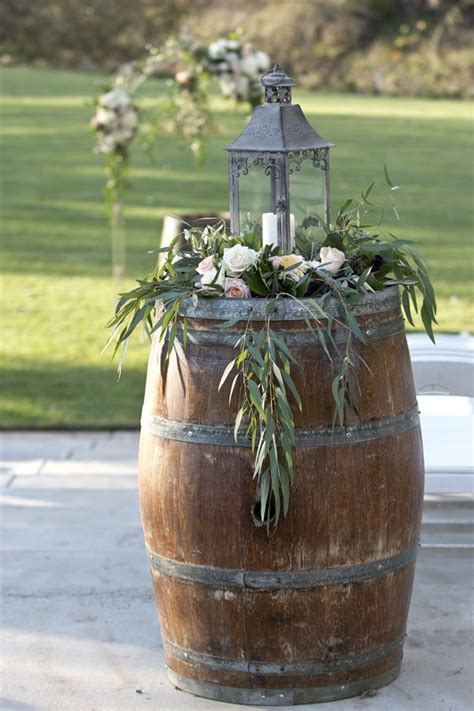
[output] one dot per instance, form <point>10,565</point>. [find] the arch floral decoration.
<point>189,66</point>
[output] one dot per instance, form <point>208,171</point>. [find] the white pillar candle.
<point>269,229</point>
<point>292,229</point>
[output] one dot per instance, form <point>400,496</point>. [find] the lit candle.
<point>269,229</point>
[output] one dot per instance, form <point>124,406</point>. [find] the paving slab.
<point>120,466</point>
<point>80,631</point>
<point>21,467</point>
<point>24,445</point>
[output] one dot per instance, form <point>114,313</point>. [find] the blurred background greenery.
<point>56,284</point>
<point>408,47</point>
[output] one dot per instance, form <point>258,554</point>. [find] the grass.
<point>56,285</point>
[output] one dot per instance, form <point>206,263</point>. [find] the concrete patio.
<point>79,626</point>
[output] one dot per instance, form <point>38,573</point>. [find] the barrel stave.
<point>346,506</point>
<point>190,393</point>
<point>286,625</point>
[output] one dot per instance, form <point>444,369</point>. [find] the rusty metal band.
<point>297,667</point>
<point>285,309</point>
<point>281,579</point>
<point>223,435</point>
<point>282,697</point>
<point>305,337</point>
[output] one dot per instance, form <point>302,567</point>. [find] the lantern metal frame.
<point>277,139</point>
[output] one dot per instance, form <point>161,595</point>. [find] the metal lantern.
<point>278,150</point>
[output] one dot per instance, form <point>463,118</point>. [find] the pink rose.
<point>236,289</point>
<point>183,77</point>
<point>275,262</point>
<point>205,265</point>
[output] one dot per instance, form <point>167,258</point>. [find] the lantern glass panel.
<point>254,197</point>
<point>308,192</point>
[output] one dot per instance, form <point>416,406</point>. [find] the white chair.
<point>444,381</point>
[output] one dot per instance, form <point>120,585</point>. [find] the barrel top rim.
<point>224,309</point>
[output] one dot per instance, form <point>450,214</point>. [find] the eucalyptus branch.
<point>264,367</point>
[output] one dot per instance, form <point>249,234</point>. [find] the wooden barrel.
<point>318,610</point>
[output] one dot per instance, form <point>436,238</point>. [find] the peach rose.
<point>293,260</point>
<point>236,289</point>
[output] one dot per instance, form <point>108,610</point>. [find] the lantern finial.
<point>277,86</point>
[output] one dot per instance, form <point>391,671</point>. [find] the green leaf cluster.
<point>263,370</point>
<point>267,393</point>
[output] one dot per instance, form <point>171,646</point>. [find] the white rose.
<point>238,259</point>
<point>205,265</point>
<point>129,118</point>
<point>249,65</point>
<point>104,117</point>
<point>332,259</point>
<point>213,277</point>
<point>122,136</point>
<point>227,84</point>
<point>217,49</point>
<point>106,144</point>
<point>233,61</point>
<point>242,87</point>
<point>115,99</point>
<point>263,61</point>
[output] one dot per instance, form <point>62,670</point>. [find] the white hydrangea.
<point>238,66</point>
<point>115,99</point>
<point>115,121</point>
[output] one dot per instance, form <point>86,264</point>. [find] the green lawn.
<point>56,285</point>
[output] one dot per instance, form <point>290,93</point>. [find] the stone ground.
<point>80,631</point>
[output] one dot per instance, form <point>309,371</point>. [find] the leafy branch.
<point>264,369</point>
<point>268,395</point>
<point>155,303</point>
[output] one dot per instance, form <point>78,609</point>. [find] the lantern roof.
<point>277,77</point>
<point>278,125</point>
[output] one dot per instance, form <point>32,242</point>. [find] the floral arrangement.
<point>238,67</point>
<point>115,121</point>
<point>344,261</point>
<point>188,66</point>
<point>183,110</point>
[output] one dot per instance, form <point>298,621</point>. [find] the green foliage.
<point>91,32</point>
<point>352,263</point>
<point>267,389</point>
<point>161,293</point>
<point>410,48</point>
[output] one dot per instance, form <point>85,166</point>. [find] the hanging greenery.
<point>340,263</point>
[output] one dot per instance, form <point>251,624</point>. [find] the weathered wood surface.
<point>328,612</point>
